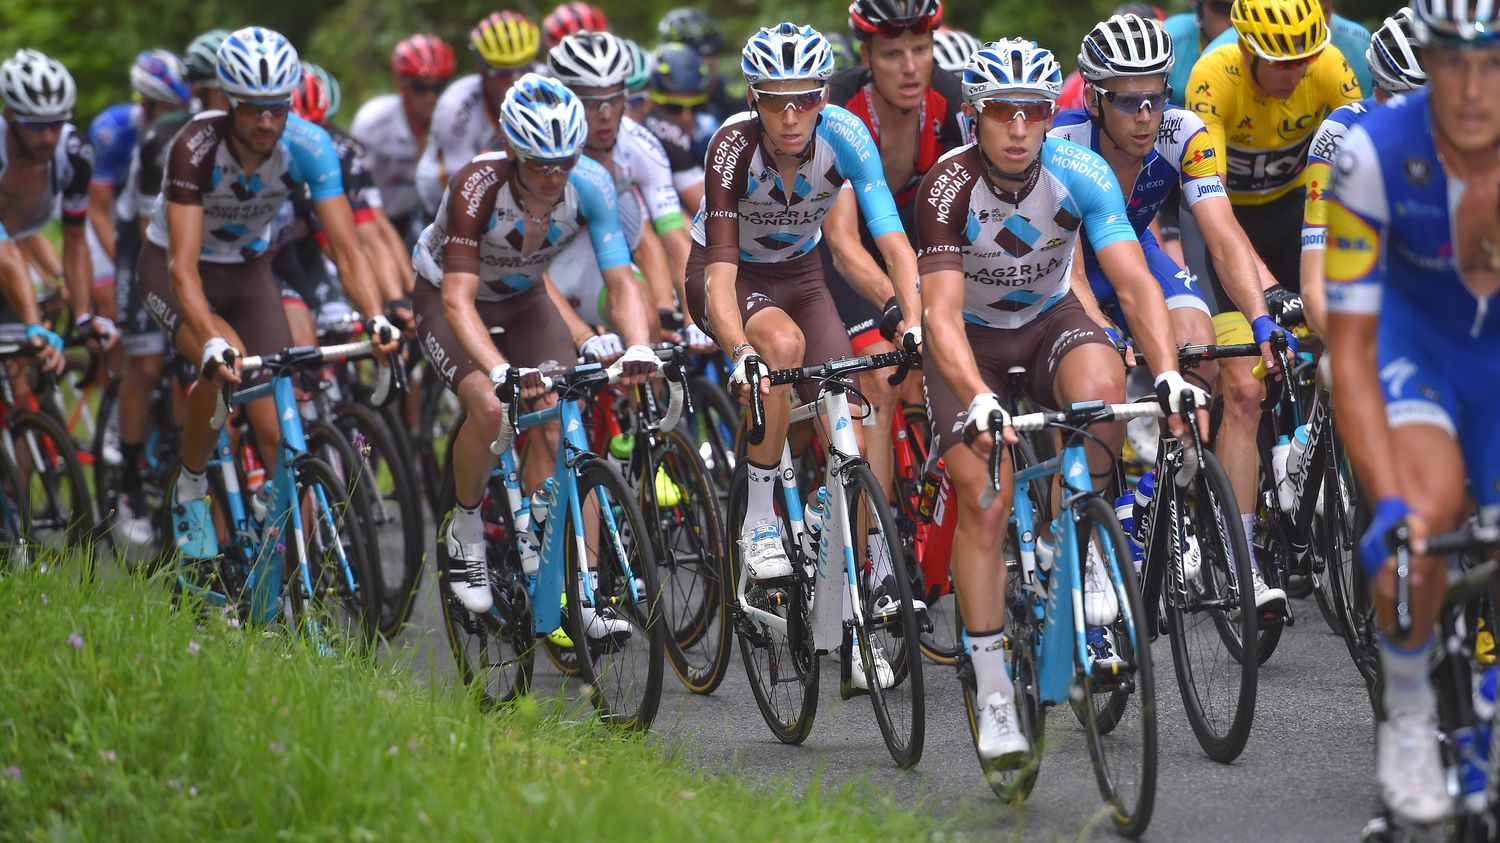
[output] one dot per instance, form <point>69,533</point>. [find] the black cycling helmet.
<point>693,27</point>
<point>679,75</point>
<point>890,18</point>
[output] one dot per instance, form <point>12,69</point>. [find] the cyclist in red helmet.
<point>570,18</point>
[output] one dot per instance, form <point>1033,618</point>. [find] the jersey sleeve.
<point>654,178</point>
<point>76,174</point>
<point>1211,95</point>
<point>1092,190</point>
<point>1196,161</point>
<point>104,137</point>
<point>1358,220</point>
<point>858,160</point>
<point>729,154</point>
<point>596,201</point>
<point>1320,158</point>
<point>315,160</point>
<point>942,213</point>
<point>1339,84</point>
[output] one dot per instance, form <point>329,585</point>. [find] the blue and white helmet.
<point>1457,21</point>
<point>1011,65</point>
<point>1392,55</point>
<point>159,76</point>
<point>786,51</point>
<point>37,87</point>
<point>541,118</point>
<point>258,64</point>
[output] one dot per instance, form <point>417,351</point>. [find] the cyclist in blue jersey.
<point>1160,150</point>
<point>996,221</point>
<point>1392,57</point>
<point>113,134</point>
<point>204,269</point>
<point>1413,271</point>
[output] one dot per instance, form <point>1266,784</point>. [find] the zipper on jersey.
<point>1481,311</point>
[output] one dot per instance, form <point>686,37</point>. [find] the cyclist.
<point>1158,149</point>
<point>911,109</point>
<point>45,169</point>
<point>1413,269</point>
<point>1348,36</point>
<point>45,164</point>
<point>463,123</point>
<point>754,280</point>
<point>1392,57</point>
<point>394,127</point>
<point>680,85</point>
<point>204,269</point>
<point>698,29</point>
<point>1075,86</point>
<point>594,66</point>
<point>201,63</point>
<point>951,48</point>
<point>637,98</point>
<point>504,219</point>
<point>996,220</point>
<point>570,18</point>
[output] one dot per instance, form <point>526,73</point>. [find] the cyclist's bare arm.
<point>101,216</point>
<point>1314,297</point>
<point>463,318</point>
<point>185,222</point>
<point>355,275</point>
<point>1078,281</point>
<point>578,329</point>
<point>78,266</point>
<point>841,229</point>
<point>650,256</point>
<point>16,284</point>
<point>627,306</point>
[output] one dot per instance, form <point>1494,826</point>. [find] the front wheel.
<point>333,598</point>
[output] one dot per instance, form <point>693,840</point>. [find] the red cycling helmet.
<point>570,18</point>
<point>423,57</point>
<point>890,18</point>
<point>310,98</point>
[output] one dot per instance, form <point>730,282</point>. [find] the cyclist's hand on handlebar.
<point>1374,547</point>
<point>739,380</point>
<point>48,347</point>
<point>1285,306</point>
<point>605,348</point>
<point>637,364</point>
<point>1127,351</point>
<point>985,418</point>
<point>101,329</point>
<point>1169,389</point>
<point>220,364</point>
<point>384,336</point>
<point>529,380</point>
<point>1265,328</point>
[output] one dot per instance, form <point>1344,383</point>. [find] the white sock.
<point>1248,521</point>
<point>1407,688</point>
<point>759,497</point>
<point>987,652</point>
<point>191,485</point>
<point>468,527</point>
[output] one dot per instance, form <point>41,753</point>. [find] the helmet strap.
<point>1026,176</point>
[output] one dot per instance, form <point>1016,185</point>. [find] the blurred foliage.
<point>353,38</point>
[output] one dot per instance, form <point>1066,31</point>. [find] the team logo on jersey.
<point>1418,171</point>
<point>1245,123</point>
<point>1293,129</point>
<point>1351,245</point>
<point>1203,90</point>
<point>1017,236</point>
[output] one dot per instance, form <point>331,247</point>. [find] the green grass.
<point>124,718</point>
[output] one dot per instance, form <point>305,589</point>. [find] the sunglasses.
<point>549,166</point>
<point>602,103</point>
<point>1291,64</point>
<point>897,27</point>
<point>39,126</point>
<point>1006,111</point>
<point>777,102</point>
<point>1131,102</point>
<point>262,110</point>
<point>417,87</point>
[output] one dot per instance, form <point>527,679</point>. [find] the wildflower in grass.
<point>44,598</point>
<point>107,756</point>
<point>193,648</point>
<point>393,751</point>
<point>280,548</point>
<point>13,772</point>
<point>75,641</point>
<point>273,531</point>
<point>359,439</point>
<point>277,747</point>
<point>192,791</point>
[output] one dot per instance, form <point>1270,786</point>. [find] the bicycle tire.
<point>1133,808</point>
<point>106,476</point>
<point>942,607</point>
<point>689,536</point>
<point>56,483</point>
<point>715,422</point>
<point>1234,626</point>
<point>332,516</point>
<point>896,637</point>
<point>625,691</point>
<point>15,518</point>
<point>792,721</point>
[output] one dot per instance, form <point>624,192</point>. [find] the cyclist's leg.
<point>1079,363</point>
<point>144,349</point>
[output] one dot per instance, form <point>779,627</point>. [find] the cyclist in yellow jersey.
<point>1261,100</point>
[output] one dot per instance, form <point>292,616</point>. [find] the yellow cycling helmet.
<point>505,39</point>
<point>1280,30</point>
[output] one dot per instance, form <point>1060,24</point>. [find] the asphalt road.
<point>1306,774</point>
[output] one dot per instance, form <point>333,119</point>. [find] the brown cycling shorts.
<point>534,336</point>
<point>246,295</point>
<point>795,287</point>
<point>1039,346</point>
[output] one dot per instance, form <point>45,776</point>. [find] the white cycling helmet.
<point>1392,55</point>
<point>1125,45</point>
<point>590,60</point>
<point>786,51</point>
<point>542,119</point>
<point>1011,64</point>
<point>951,48</point>
<point>37,87</point>
<point>258,64</point>
<point>1456,21</point>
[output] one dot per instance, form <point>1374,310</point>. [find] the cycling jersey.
<point>1351,39</point>
<point>481,228</point>
<point>747,214</point>
<point>1073,89</point>
<point>1014,250</point>
<point>238,206</point>
<point>148,166</point>
<point>382,127</point>
<point>1262,140</point>
<point>1187,46</point>
<point>113,135</point>
<point>462,127</point>
<point>354,169</point>
<point>687,168</point>
<point>1392,254</point>
<point>23,209</point>
<point>939,118</point>
<point>1320,156</point>
<point>640,164</point>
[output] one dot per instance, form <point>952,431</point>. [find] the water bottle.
<point>932,482</point>
<point>621,445</point>
<point>1144,489</point>
<point>1125,511</point>
<point>526,543</point>
<point>1473,747</point>
<point>255,472</point>
<point>1298,453</point>
<point>263,501</point>
<point>1280,452</point>
<point>541,504</point>
<point>812,523</point>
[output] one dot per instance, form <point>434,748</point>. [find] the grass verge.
<point>124,718</point>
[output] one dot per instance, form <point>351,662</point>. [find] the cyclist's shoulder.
<point>305,138</point>
<point>1081,171</point>
<point>643,141</point>
<point>1181,27</point>
<point>1349,31</point>
<point>737,133</point>
<point>1332,76</point>
<point>947,86</point>
<point>1222,58</point>
<point>841,127</point>
<point>1074,125</point>
<point>460,97</point>
<point>374,112</point>
<point>667,132</point>
<point>115,123</point>
<point>846,84</point>
<point>591,179</point>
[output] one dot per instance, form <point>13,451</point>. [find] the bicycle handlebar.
<point>904,361</point>
<point>1473,536</point>
<point>589,374</point>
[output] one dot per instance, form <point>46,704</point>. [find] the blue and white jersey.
<point>748,214</point>
<point>1320,158</point>
<point>1015,249</point>
<point>238,206</point>
<point>114,135</point>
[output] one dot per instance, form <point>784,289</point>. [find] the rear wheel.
<point>335,602</point>
<point>713,427</point>
<point>57,488</point>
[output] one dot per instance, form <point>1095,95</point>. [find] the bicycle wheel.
<point>930,579</point>
<point>1211,617</point>
<point>380,475</point>
<point>890,635</point>
<point>781,664</point>
<point>107,472</point>
<point>1125,757</point>
<point>57,488</point>
<point>688,538</point>
<point>15,519</point>
<point>335,604</point>
<point>496,650</point>
<point>623,670</point>
<point>714,425</point>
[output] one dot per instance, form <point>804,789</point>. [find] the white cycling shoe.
<point>468,572</point>
<point>884,676</point>
<point>760,547</point>
<point>1412,782</point>
<point>1101,606</point>
<point>1000,739</point>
